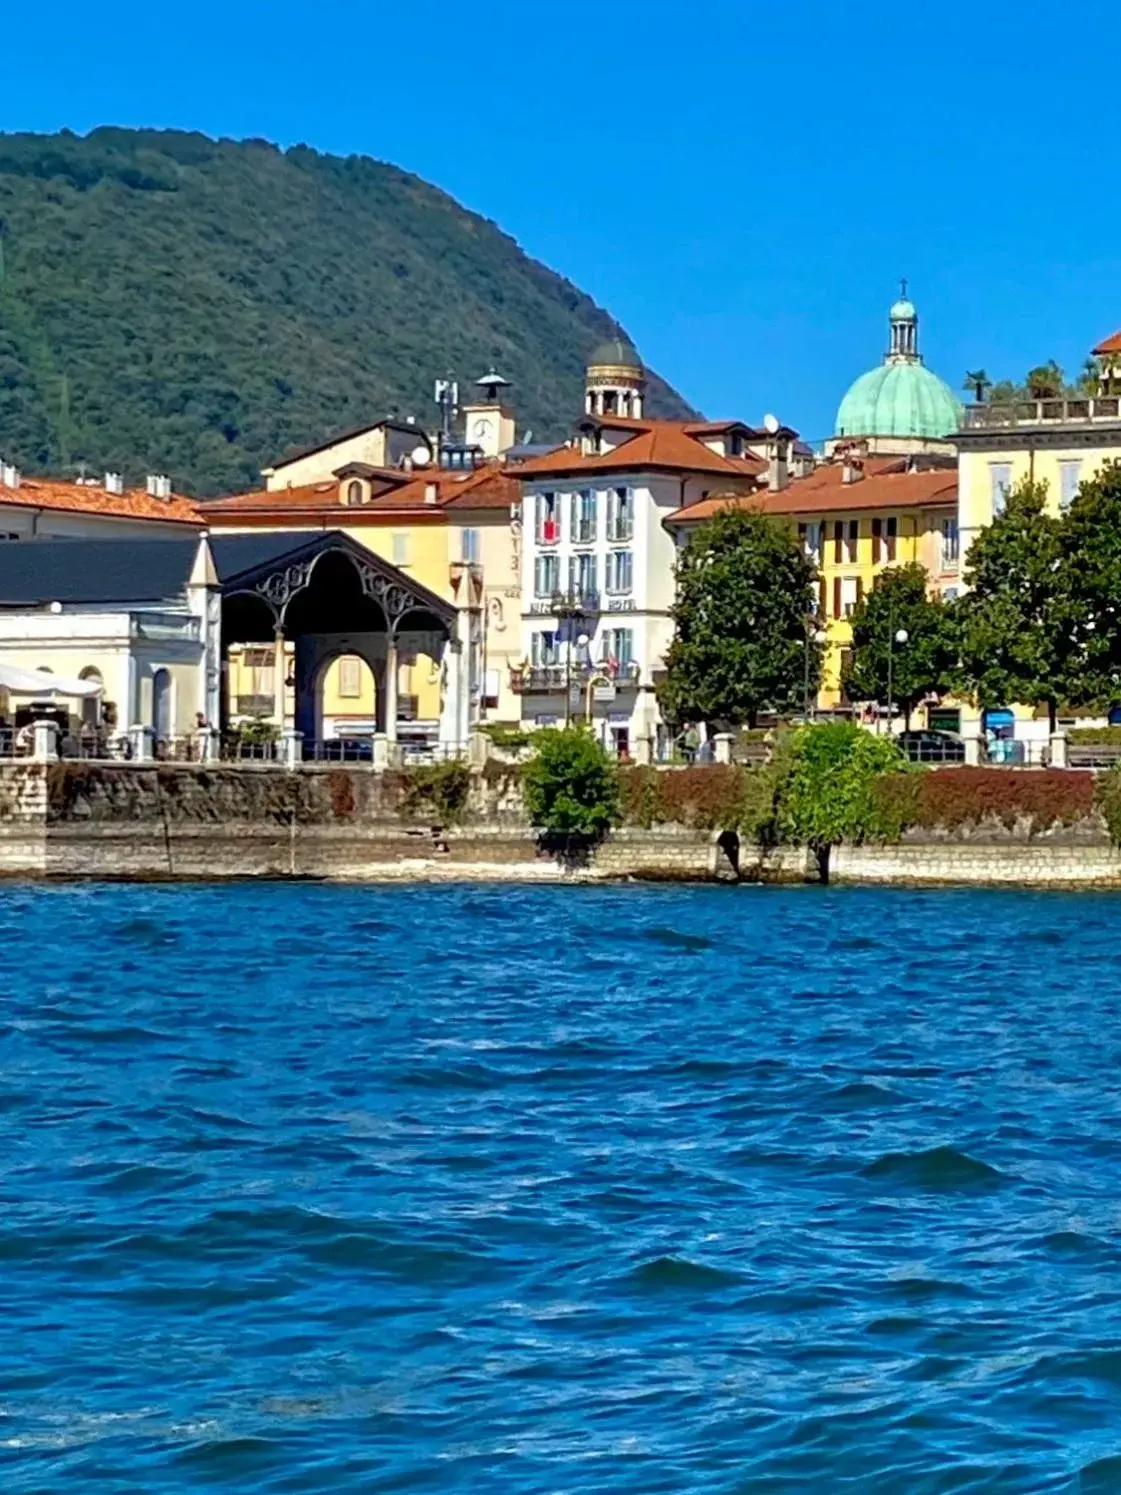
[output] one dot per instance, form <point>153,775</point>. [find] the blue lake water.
<point>493,1189</point>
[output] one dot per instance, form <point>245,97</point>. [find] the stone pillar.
<point>279,675</point>
<point>478,749</point>
<point>291,747</point>
<point>142,740</point>
<point>209,742</point>
<point>722,747</point>
<point>453,724</point>
<point>380,750</point>
<point>391,681</point>
<point>973,753</point>
<point>643,751</point>
<point>44,741</point>
<point>1060,743</point>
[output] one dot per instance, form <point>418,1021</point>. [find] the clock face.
<point>482,430</point>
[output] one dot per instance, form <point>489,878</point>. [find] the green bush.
<point>507,737</point>
<point>950,799</point>
<point>1108,800</point>
<point>830,794</point>
<point>437,790</point>
<point>1095,734</point>
<point>571,786</point>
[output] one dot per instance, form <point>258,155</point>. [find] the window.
<point>620,515</point>
<point>548,519</point>
<point>582,575</point>
<point>852,590</point>
<point>885,533</point>
<point>812,537</point>
<point>950,543</point>
<point>583,517</point>
<point>469,546</point>
<point>546,575</point>
<point>852,541</point>
<point>1069,475</point>
<point>354,494</point>
<point>1000,479</point>
<point>350,676</point>
<point>400,550</point>
<point>620,571</point>
<point>838,541</point>
<point>545,648</point>
<point>617,648</point>
<point>261,667</point>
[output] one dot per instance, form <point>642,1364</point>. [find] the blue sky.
<point>742,184</point>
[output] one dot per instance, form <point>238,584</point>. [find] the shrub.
<point>1108,798</point>
<point>571,785</point>
<point>952,798</point>
<point>1095,734</point>
<point>439,790</point>
<point>829,795</point>
<point>706,797</point>
<point>507,737</point>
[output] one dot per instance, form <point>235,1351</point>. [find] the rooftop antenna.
<point>447,397</point>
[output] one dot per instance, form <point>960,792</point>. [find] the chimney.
<point>114,482</point>
<point>9,475</point>
<point>778,470</point>
<point>852,470</point>
<point>150,484</point>
<point>431,493</point>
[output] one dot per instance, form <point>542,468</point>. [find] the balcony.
<point>546,679</point>
<point>575,603</point>
<point>1082,410</point>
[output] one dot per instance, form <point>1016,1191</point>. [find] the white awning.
<point>41,684</point>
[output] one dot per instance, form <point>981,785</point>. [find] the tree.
<point>830,791</point>
<point>1045,382</point>
<point>1013,635</point>
<point>978,382</point>
<point>923,664</point>
<point>1091,550</point>
<point>571,786</point>
<point>746,596</point>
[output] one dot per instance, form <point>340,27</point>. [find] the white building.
<point>598,568</point>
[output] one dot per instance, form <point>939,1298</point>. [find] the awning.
<point>41,685</point>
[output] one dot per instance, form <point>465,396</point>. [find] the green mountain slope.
<point>171,303</point>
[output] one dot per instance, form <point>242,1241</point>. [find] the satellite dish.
<point>420,456</point>
<point>770,423</point>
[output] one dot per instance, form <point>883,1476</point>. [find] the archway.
<point>91,705</point>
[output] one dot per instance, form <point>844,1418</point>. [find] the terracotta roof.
<point>86,498</point>
<point>487,487</point>
<point>886,485</point>
<point>660,444</point>
<point>1111,345</point>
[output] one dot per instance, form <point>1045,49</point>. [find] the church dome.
<point>616,353</point>
<point>901,398</point>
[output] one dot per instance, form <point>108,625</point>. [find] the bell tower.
<point>616,381</point>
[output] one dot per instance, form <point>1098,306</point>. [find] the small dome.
<point>616,352</point>
<point>899,399</point>
<point>903,311</point>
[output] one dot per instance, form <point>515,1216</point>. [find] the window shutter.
<point>823,598</point>
<point>838,540</point>
<point>859,590</point>
<point>836,596</point>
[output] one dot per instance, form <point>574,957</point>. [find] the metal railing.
<point>544,678</point>
<point>1093,754</point>
<point>1081,410</point>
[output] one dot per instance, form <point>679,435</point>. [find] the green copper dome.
<point>617,352</point>
<point>900,398</point>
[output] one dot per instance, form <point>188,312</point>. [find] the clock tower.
<point>488,423</point>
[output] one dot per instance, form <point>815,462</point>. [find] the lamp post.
<point>899,637</point>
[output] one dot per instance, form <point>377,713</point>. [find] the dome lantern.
<point>615,383</point>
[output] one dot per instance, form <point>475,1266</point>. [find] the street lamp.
<point>899,637</point>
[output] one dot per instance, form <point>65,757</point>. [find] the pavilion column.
<point>391,673</point>
<point>453,712</point>
<point>280,675</point>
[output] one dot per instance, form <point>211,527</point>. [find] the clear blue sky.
<point>741,182</point>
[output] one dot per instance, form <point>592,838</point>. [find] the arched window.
<point>353,493</point>
<point>91,705</point>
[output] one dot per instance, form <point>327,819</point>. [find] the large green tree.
<point>744,641</point>
<point>830,791</point>
<point>923,663</point>
<point>1013,633</point>
<point>1091,550</point>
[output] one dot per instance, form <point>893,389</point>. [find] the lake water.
<point>499,1189</point>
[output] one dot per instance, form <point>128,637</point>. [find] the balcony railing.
<point>575,602</point>
<point>1080,411</point>
<point>255,705</point>
<point>544,679</point>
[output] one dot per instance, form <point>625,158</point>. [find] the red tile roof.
<point>488,487</point>
<point>1111,345</point>
<point>886,485</point>
<point>661,445</point>
<point>89,498</point>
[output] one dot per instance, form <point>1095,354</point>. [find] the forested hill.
<point>171,303</point>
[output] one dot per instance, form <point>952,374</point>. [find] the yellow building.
<point>453,530</point>
<point>855,517</point>
<point>1062,442</point>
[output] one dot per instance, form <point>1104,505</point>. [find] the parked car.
<point>932,747</point>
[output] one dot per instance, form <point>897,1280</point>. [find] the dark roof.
<point>35,573</point>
